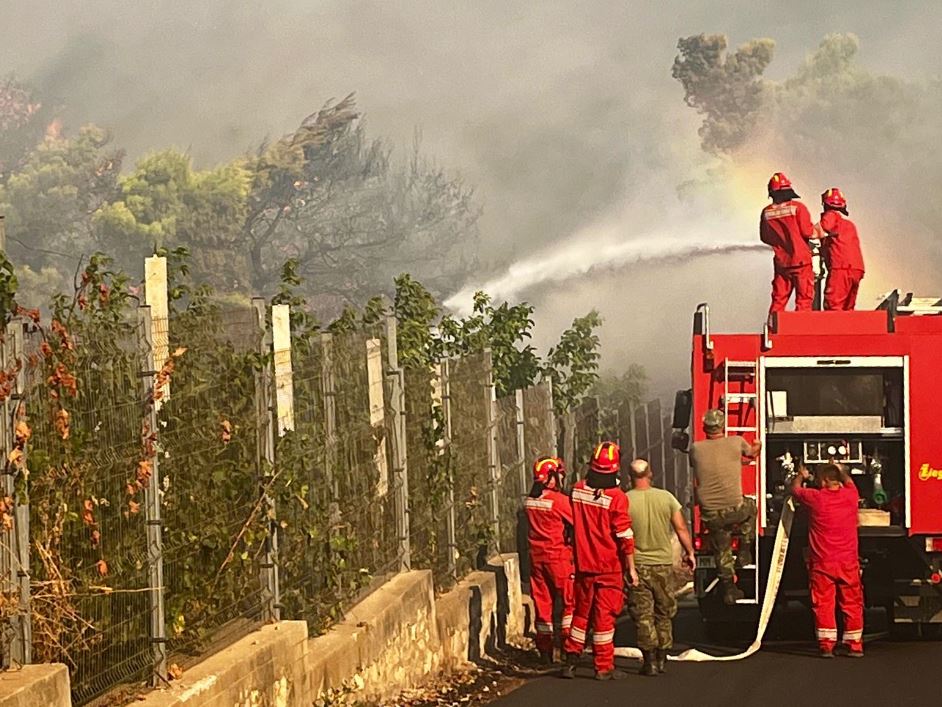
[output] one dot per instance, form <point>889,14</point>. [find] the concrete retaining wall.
<point>401,636</point>
<point>397,638</point>
<point>35,686</point>
<point>267,668</point>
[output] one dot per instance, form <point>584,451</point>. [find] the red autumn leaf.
<point>102,568</point>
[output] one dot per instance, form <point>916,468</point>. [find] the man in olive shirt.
<point>717,465</point>
<point>655,517</point>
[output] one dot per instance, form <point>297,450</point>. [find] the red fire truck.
<point>864,388</point>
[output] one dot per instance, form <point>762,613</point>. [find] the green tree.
<point>49,202</point>
<point>23,120</point>
<point>573,364</point>
<point>164,202</point>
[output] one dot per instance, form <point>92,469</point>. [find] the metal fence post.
<point>550,413</point>
<point>396,378</point>
<point>265,463</point>
<point>450,530</point>
<point>493,459</point>
<point>521,443</point>
<point>23,648</point>
<point>155,551</point>
<point>14,542</point>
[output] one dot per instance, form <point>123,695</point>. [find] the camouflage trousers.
<point>721,525</point>
<point>652,606</point>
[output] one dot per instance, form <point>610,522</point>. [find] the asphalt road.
<point>787,672</point>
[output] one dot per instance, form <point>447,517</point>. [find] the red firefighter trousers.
<point>799,280</point>
<point>840,292</point>
<point>840,581</point>
<point>549,580</point>
<point>599,601</point>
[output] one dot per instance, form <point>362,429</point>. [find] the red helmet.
<point>779,182</point>
<point>606,459</point>
<point>834,199</point>
<point>545,467</point>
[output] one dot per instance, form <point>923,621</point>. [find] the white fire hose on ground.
<point>776,568</point>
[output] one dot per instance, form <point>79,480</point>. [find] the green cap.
<point>714,419</point>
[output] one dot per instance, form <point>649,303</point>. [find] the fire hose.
<point>776,568</point>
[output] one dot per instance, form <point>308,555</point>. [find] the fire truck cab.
<point>862,388</point>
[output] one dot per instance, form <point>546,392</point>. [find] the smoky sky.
<point>560,113</point>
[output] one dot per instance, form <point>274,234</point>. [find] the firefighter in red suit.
<point>833,562</point>
<point>604,553</point>
<point>549,513</point>
<point>840,247</point>
<point>786,225</point>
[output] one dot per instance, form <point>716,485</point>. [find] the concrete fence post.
<point>396,382</point>
<point>265,414</point>
<point>23,643</point>
<point>493,459</point>
<point>329,396</point>
<point>451,538</point>
<point>154,524</point>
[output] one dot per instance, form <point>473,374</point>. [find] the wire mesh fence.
<point>89,600</point>
<point>208,466</point>
<point>468,451</point>
<point>512,485</point>
<point>170,518</point>
<point>431,504</point>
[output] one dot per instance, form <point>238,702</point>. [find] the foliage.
<point>617,394</point>
<point>574,362</point>
<point>726,88</point>
<point>50,200</point>
<point>23,120</point>
<point>164,202</point>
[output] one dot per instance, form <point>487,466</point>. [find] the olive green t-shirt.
<point>651,511</point>
<point>717,464</point>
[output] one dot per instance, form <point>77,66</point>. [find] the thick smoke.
<point>564,114</point>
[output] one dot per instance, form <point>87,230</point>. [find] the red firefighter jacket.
<point>604,538</point>
<point>841,246</point>
<point>787,227</point>
<point>548,517</point>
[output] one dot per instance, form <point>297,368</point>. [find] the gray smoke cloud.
<point>564,114</point>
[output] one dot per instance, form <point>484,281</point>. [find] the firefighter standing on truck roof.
<point>833,562</point>
<point>786,225</point>
<point>549,514</point>
<point>840,247</point>
<point>604,552</point>
<point>655,517</point>
<point>717,465</point>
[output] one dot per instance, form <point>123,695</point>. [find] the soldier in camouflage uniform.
<point>656,517</point>
<point>717,463</point>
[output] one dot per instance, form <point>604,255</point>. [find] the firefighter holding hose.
<point>840,248</point>
<point>604,543</point>
<point>786,225</point>
<point>549,516</point>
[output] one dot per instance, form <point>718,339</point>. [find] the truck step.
<point>740,397</point>
<point>741,429</point>
<point>746,601</point>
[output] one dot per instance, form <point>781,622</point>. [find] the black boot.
<point>569,669</point>
<point>731,593</point>
<point>647,667</point>
<point>613,674</point>
<point>660,660</point>
<point>546,657</point>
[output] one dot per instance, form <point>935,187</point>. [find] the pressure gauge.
<point>842,450</point>
<point>832,450</point>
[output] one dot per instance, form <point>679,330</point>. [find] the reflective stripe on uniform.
<point>544,628</point>
<point>779,212</point>
<point>540,504</point>
<point>827,633</point>
<point>577,634</point>
<point>588,496</point>
<point>566,621</point>
<point>853,635</point>
<point>627,534</point>
<point>604,637</point>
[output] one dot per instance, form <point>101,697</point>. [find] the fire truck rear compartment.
<point>850,415</point>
